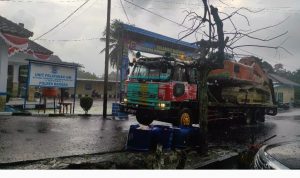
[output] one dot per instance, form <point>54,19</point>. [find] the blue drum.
<point>139,139</point>
<point>184,137</point>
<point>162,135</point>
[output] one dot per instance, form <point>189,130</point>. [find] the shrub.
<point>86,103</point>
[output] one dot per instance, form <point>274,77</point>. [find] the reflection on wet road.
<point>285,126</point>
<point>31,138</point>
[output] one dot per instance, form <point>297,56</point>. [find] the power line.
<point>69,40</point>
<point>272,9</point>
<point>34,1</point>
<point>75,16</point>
<point>222,6</point>
<point>62,20</point>
<point>124,11</point>
<point>157,14</point>
<point>269,59</point>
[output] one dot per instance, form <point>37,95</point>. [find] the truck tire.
<point>259,115</point>
<point>250,116</point>
<point>184,118</point>
<point>144,118</point>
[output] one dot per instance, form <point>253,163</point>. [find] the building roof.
<point>7,26</point>
<point>96,80</point>
<point>54,58</point>
<point>157,36</point>
<point>56,63</point>
<point>283,81</point>
<point>38,48</point>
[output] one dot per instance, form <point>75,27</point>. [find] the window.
<point>192,75</point>
<point>88,86</point>
<point>180,74</point>
<point>150,71</point>
<point>109,87</point>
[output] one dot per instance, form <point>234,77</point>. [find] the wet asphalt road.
<point>32,138</point>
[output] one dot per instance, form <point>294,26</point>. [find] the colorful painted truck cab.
<point>165,89</point>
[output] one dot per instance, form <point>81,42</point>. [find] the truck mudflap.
<point>271,111</point>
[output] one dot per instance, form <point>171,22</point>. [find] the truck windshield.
<point>150,72</point>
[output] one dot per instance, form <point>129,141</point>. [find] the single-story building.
<point>95,88</point>
<point>284,89</point>
<point>16,49</point>
<point>13,37</point>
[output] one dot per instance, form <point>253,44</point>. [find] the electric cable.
<point>62,20</point>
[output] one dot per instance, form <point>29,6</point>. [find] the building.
<point>95,88</point>
<point>284,89</point>
<point>15,50</point>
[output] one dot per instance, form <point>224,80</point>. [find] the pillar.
<point>31,91</point>
<point>3,74</point>
<point>15,87</point>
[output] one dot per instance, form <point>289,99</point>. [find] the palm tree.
<point>115,46</point>
<point>116,42</point>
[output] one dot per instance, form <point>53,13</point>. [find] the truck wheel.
<point>250,117</point>
<point>185,118</point>
<point>144,118</point>
<point>259,115</point>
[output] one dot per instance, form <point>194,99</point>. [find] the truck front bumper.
<point>166,115</point>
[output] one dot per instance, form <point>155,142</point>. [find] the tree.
<point>116,42</point>
<point>86,75</point>
<point>296,78</point>
<point>214,45</point>
<point>278,67</point>
<point>267,66</point>
<point>111,76</point>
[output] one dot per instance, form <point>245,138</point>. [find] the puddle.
<point>20,130</point>
<point>4,131</point>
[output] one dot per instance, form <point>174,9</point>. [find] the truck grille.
<point>142,93</point>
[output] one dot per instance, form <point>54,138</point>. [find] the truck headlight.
<point>162,105</point>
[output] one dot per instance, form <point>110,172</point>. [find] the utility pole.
<point>106,59</point>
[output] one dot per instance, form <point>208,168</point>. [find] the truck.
<point>165,89</point>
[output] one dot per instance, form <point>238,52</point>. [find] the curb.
<point>50,115</point>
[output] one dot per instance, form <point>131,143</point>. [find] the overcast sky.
<point>89,22</point>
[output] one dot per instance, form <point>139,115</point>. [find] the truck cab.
<point>158,88</point>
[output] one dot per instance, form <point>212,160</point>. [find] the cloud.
<point>90,21</point>
<point>23,17</point>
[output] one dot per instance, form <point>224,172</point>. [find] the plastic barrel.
<point>184,137</point>
<point>138,139</point>
<point>181,137</point>
<point>162,135</point>
<point>115,109</point>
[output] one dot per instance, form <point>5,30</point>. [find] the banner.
<point>15,41</point>
<point>152,48</point>
<point>142,40</point>
<point>46,75</point>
